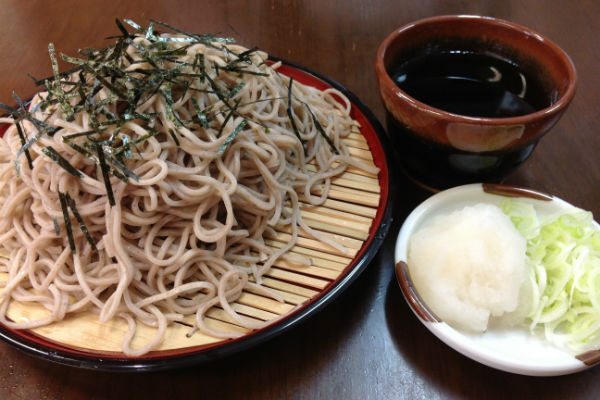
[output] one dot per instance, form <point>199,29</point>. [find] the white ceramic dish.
<point>511,350</point>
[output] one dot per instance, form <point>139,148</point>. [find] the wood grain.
<point>367,344</point>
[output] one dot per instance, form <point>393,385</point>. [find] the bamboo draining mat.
<point>346,216</point>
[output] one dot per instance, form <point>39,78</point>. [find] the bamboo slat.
<point>341,217</point>
<point>350,208</point>
<point>351,245</point>
<point>293,294</point>
<point>308,270</point>
<point>355,196</point>
<point>366,183</point>
<point>312,253</point>
<point>356,143</point>
<point>289,295</point>
<point>364,155</point>
<point>315,260</point>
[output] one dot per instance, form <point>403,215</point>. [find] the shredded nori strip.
<point>85,133</point>
<point>104,168</point>
<point>171,114</point>
<point>174,137</point>
<point>242,57</point>
<point>291,115</point>
<point>97,75</point>
<point>227,118</point>
<point>321,130</point>
<point>65,211</point>
<point>62,74</point>
<point>207,39</point>
<point>22,137</point>
<point>17,168</point>
<point>82,226</point>
<point>124,31</point>
<point>66,107</point>
<point>236,89</point>
<point>57,158</point>
<point>199,64</point>
<point>127,146</point>
<point>56,227</point>
<point>30,142</point>
<point>231,136</point>
<point>88,154</point>
<point>218,91</point>
<point>200,114</point>
<point>18,115</point>
<point>243,71</point>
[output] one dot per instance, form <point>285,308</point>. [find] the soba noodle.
<point>213,163</point>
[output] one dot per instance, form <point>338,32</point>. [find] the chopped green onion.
<point>564,254</point>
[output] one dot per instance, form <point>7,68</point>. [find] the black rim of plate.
<point>36,346</point>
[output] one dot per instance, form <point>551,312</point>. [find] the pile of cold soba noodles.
<point>206,150</point>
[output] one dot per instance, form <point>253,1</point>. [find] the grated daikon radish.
<point>469,265</point>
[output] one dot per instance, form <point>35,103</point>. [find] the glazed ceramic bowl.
<point>440,149</point>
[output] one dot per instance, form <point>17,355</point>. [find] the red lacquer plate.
<point>167,359</point>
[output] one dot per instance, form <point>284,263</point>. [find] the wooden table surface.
<point>367,344</point>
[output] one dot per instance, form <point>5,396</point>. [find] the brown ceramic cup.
<point>440,149</point>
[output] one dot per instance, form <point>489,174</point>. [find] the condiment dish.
<point>513,350</point>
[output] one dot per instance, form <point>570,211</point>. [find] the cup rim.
<point>561,103</point>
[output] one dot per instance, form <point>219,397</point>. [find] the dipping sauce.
<point>470,84</point>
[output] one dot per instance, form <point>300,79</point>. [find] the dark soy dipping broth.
<point>470,84</point>
<point>467,83</point>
